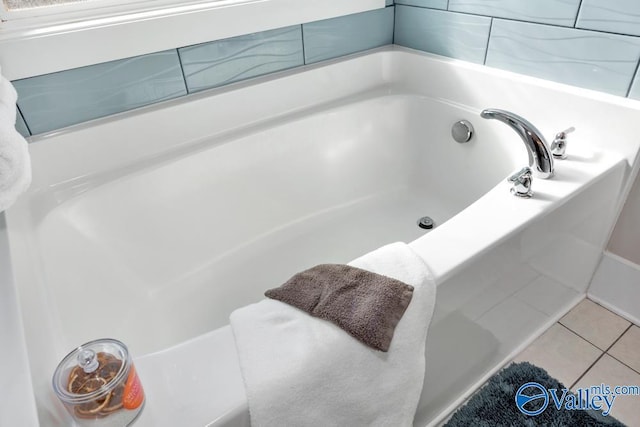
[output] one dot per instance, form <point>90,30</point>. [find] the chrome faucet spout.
<point>540,158</point>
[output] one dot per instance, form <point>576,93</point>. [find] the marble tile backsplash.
<point>594,44</point>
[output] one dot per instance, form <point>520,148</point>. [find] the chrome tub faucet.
<point>540,158</point>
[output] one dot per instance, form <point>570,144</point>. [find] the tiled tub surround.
<point>61,99</point>
<point>226,61</point>
<point>56,100</point>
<point>590,43</point>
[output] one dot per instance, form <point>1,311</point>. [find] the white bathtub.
<point>152,226</point>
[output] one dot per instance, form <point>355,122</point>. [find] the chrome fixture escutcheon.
<point>559,144</point>
<point>522,181</point>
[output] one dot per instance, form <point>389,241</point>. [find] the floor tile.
<point>610,372</point>
<point>595,323</point>
<point>627,349</point>
<point>563,354</point>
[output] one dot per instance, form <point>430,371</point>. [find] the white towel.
<point>15,163</point>
<point>8,98</point>
<point>300,371</point>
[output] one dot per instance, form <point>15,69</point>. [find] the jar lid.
<point>91,370</point>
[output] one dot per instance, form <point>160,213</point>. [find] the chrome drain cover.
<point>426,223</point>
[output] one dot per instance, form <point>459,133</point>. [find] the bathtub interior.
<point>169,244</point>
<point>197,235</point>
<point>172,244</point>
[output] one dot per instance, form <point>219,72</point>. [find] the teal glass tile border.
<point>459,32</point>
<point>21,126</point>
<point>619,16</point>
<point>456,35</point>
<point>585,43</point>
<point>336,37</point>
<point>57,100</point>
<point>557,12</point>
<point>589,59</point>
<point>226,61</point>
<point>634,91</point>
<point>53,101</point>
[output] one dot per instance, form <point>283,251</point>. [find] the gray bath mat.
<point>495,405</point>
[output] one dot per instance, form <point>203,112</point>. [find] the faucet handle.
<point>522,181</point>
<point>566,131</point>
<point>559,144</point>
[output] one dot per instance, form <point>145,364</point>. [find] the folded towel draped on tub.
<point>301,370</point>
<point>15,164</point>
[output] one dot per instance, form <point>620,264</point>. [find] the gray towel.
<point>366,305</point>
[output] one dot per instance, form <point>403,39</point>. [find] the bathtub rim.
<point>390,65</point>
<point>21,407</point>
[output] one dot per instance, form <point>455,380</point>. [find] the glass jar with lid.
<point>98,384</point>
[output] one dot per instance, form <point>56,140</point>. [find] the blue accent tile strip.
<point>433,4</point>
<point>557,12</point>
<point>587,43</point>
<point>445,33</point>
<point>65,98</point>
<point>619,16</point>
<point>593,60</point>
<point>61,99</point>
<point>21,126</point>
<point>335,37</point>
<point>226,61</point>
<point>634,92</point>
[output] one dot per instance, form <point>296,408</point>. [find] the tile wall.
<point>593,44</point>
<point>56,100</point>
<point>588,43</point>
